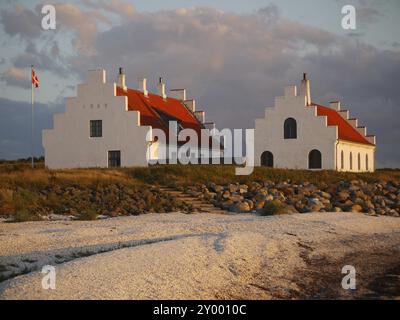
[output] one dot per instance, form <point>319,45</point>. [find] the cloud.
<point>21,22</point>
<point>14,143</point>
<point>16,77</point>
<point>84,23</point>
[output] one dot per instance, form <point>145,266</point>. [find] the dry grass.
<point>29,193</point>
<point>180,175</point>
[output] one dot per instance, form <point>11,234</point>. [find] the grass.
<point>30,194</point>
<point>181,175</point>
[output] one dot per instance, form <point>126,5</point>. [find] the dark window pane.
<point>290,129</point>
<point>114,159</point>
<point>267,159</point>
<point>96,128</point>
<point>314,159</point>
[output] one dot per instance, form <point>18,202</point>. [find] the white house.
<point>110,125</point>
<point>299,134</point>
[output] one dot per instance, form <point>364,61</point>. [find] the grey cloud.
<point>16,77</point>
<point>21,22</point>
<point>14,143</point>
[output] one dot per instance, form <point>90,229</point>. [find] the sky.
<point>232,56</point>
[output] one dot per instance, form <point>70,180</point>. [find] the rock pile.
<point>378,198</point>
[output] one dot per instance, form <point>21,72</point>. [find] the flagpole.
<point>32,119</point>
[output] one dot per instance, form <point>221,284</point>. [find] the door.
<point>114,159</point>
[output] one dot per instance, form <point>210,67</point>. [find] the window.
<point>366,162</point>
<point>290,129</point>
<point>351,161</point>
<point>359,161</point>
<point>342,160</point>
<point>314,159</point>
<point>267,159</point>
<point>114,159</point>
<point>96,128</point>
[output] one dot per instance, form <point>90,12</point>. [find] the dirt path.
<point>203,256</point>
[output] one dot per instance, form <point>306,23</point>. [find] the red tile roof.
<point>152,108</point>
<point>157,112</point>
<point>346,130</point>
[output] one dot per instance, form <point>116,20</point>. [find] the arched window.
<point>359,162</point>
<point>342,160</point>
<point>314,159</point>
<point>351,160</point>
<point>366,162</point>
<point>267,159</point>
<point>290,129</point>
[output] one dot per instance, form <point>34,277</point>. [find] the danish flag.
<point>35,80</point>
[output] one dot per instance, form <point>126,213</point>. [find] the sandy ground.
<point>203,256</point>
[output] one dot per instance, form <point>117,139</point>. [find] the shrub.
<point>88,214</point>
<point>273,207</point>
<point>26,215</point>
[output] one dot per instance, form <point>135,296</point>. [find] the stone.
<point>259,205</point>
<point>343,196</point>
<point>240,207</point>
<point>232,187</point>
<point>356,208</point>
<point>243,188</point>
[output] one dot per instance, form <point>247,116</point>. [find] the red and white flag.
<point>35,80</point>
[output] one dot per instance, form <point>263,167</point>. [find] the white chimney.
<point>143,86</point>
<point>161,88</point>
<point>305,89</point>
<point>121,79</point>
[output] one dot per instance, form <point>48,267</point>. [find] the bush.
<point>25,215</point>
<point>271,208</point>
<point>88,214</point>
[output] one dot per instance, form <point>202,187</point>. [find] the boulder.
<point>240,207</point>
<point>356,208</point>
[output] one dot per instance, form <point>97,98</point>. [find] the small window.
<point>267,159</point>
<point>290,129</point>
<point>351,161</point>
<point>114,159</point>
<point>314,159</point>
<point>342,160</point>
<point>366,162</point>
<point>359,162</point>
<point>96,128</point>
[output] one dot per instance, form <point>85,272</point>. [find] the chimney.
<point>121,79</point>
<point>305,89</point>
<point>143,86</point>
<point>161,88</point>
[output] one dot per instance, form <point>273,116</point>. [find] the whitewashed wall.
<point>354,149</point>
<point>69,145</point>
<point>312,133</point>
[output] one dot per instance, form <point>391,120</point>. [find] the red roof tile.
<point>153,106</point>
<point>346,130</point>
